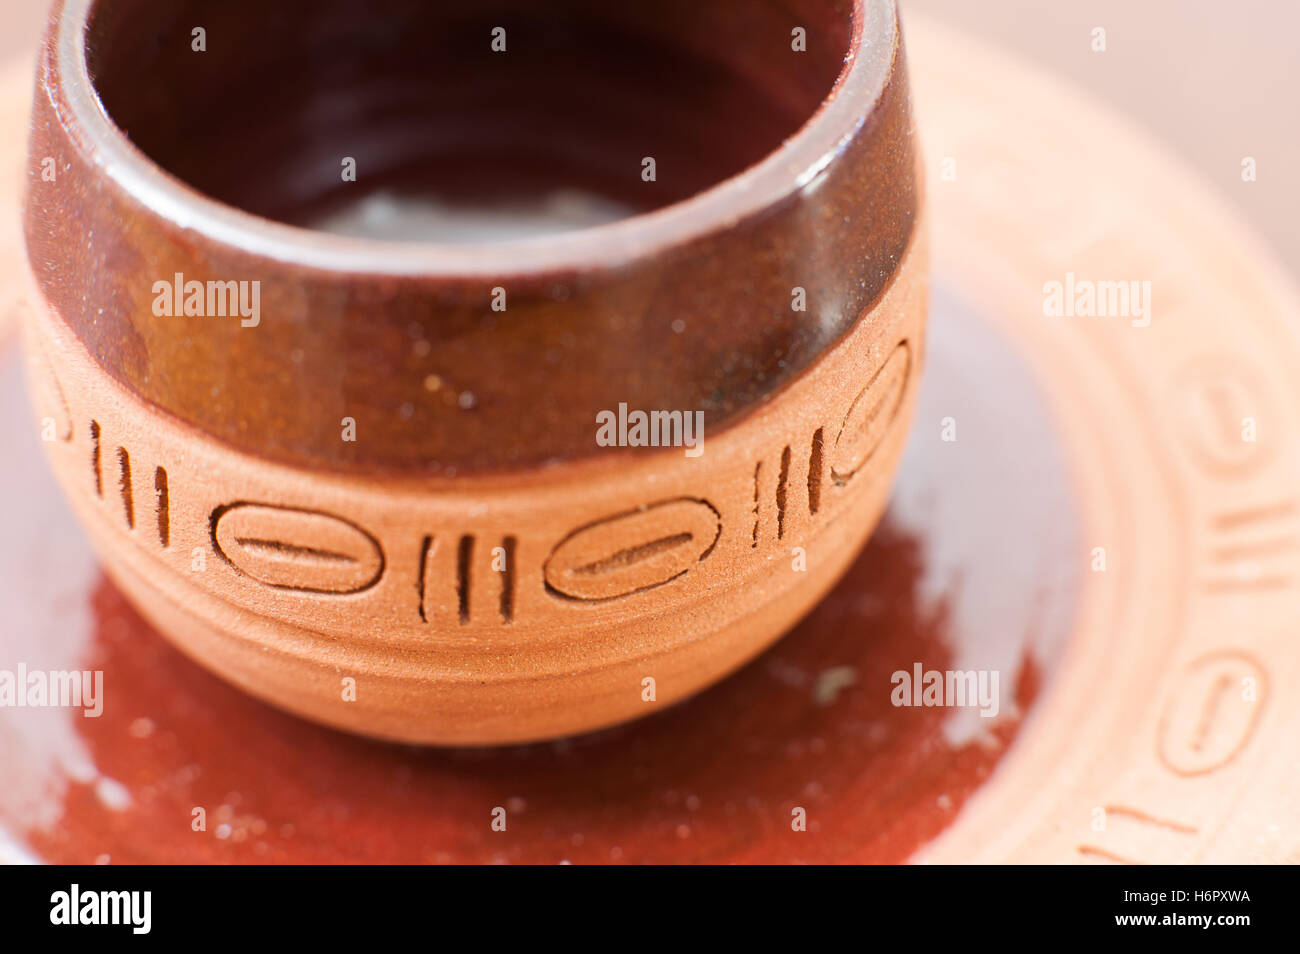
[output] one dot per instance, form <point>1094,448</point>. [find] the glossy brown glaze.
<point>688,307</point>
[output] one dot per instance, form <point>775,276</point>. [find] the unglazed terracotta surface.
<point>483,601</point>
<point>501,609</point>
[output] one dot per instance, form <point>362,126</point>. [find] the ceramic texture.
<point>480,569</point>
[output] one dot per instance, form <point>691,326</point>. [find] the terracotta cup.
<point>475,491</point>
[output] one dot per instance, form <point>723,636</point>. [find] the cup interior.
<point>463,121</point>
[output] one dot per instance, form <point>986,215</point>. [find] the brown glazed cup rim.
<point>782,173</point>
<point>407,339</point>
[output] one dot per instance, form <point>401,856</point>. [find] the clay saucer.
<point>1099,532</point>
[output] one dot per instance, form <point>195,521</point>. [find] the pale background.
<point>1215,81</point>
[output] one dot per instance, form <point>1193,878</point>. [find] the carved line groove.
<point>94,459</point>
<point>293,551</point>
<point>426,549</point>
<point>1142,816</point>
<point>164,506</point>
<point>1240,551</point>
<point>1236,518</point>
<point>508,581</point>
<point>633,555</point>
<point>464,556</point>
<point>1228,584</point>
<point>815,473</point>
<point>128,501</point>
<point>1095,852</point>
<point>781,492</point>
